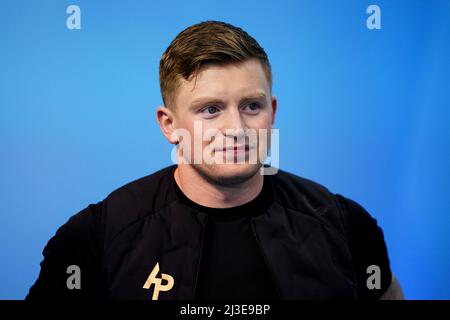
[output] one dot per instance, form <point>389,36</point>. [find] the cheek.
<point>263,121</point>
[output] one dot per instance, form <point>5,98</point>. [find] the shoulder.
<point>136,200</point>
<point>75,243</point>
<point>145,194</point>
<point>77,234</point>
<point>310,197</point>
<point>121,208</point>
<point>364,235</point>
<point>360,220</point>
<point>295,189</point>
<point>82,238</point>
<point>303,193</point>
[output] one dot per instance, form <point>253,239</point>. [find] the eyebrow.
<point>206,99</point>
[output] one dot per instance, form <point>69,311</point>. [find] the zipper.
<point>274,280</point>
<point>200,257</point>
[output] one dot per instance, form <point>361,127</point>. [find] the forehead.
<point>232,79</point>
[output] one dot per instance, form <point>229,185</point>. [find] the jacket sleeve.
<point>368,249</point>
<point>72,259</point>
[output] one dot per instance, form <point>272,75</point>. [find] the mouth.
<point>236,149</point>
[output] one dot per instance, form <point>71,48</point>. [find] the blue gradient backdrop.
<point>364,112</point>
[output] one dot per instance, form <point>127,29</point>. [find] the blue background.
<point>364,112</point>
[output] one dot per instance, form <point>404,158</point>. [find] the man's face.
<point>228,101</point>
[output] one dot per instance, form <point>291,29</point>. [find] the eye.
<point>253,107</point>
<point>210,110</point>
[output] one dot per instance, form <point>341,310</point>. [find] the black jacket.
<point>314,242</point>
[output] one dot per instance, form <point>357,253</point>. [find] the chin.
<point>228,174</point>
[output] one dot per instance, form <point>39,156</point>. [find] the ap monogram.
<point>152,279</point>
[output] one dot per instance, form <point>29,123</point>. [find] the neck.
<point>207,194</point>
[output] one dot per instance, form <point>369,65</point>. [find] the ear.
<point>166,118</point>
<point>274,109</point>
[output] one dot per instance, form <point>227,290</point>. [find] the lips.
<point>240,148</point>
<point>235,149</point>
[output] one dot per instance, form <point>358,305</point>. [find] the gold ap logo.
<point>152,279</point>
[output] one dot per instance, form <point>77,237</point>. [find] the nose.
<point>233,125</point>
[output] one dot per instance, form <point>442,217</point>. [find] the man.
<point>213,227</point>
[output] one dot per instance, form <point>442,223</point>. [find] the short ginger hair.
<point>212,42</point>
